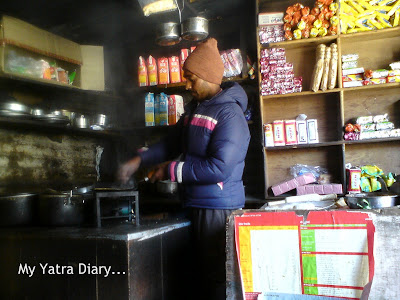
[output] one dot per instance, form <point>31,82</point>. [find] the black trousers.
<point>209,240</point>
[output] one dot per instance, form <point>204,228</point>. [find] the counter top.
<point>122,231</point>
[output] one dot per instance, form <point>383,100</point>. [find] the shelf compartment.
<point>384,154</point>
<point>40,127</point>
<point>302,146</point>
<point>376,50</point>
<point>279,163</point>
<point>301,94</point>
<point>370,35</point>
<point>316,106</point>
<point>310,42</point>
<point>366,102</point>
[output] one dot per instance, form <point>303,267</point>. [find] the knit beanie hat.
<point>205,62</point>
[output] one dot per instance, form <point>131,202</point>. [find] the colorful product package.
<point>152,70</point>
<point>157,109</point>
<point>183,56</point>
<point>279,133</point>
<point>142,72</point>
<point>163,71</point>
<point>174,69</point>
<point>353,180</point>
<point>149,109</point>
<point>268,135</point>
<point>290,132</point>
<point>175,108</point>
<point>163,109</point>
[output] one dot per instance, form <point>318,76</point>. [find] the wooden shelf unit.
<point>333,108</point>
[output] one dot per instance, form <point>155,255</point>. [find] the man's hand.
<point>126,170</point>
<point>160,172</point>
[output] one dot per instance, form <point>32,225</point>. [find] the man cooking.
<point>205,153</point>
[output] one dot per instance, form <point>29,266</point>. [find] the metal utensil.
<point>195,29</point>
<point>15,107</point>
<point>17,209</point>
<point>168,34</point>
<point>81,121</point>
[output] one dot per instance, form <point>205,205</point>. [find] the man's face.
<point>198,87</point>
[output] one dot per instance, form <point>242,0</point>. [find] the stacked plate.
<point>14,109</point>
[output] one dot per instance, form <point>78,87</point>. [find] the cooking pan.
<point>195,29</point>
<point>168,34</point>
<point>372,200</point>
<point>61,209</point>
<point>17,209</point>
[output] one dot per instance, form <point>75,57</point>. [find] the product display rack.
<point>333,108</point>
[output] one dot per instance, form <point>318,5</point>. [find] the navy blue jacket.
<point>211,141</point>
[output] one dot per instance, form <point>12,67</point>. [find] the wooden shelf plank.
<point>370,35</point>
<point>302,146</point>
<point>302,42</point>
<point>42,126</point>
<point>334,143</point>
<point>369,141</point>
<point>301,94</point>
<point>372,87</point>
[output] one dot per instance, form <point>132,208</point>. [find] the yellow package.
<point>385,23</point>
<point>386,2</point>
<point>364,26</point>
<point>365,18</point>
<point>357,7</point>
<point>396,18</point>
<point>375,184</point>
<point>365,184</point>
<point>369,170</point>
<point>348,9</point>
<point>395,7</point>
<point>365,5</point>
<point>374,23</point>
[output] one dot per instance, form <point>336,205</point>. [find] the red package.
<point>183,56</point>
<point>163,71</point>
<point>174,69</point>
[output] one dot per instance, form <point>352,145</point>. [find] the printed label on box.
<point>163,71</point>
<point>290,132</point>
<point>279,133</point>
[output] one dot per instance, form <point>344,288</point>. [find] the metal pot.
<point>17,209</point>
<point>168,34</point>
<point>100,120</point>
<point>81,121</point>
<point>372,200</point>
<point>61,209</point>
<point>195,29</point>
<point>167,187</point>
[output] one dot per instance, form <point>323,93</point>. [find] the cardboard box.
<point>21,39</point>
<point>279,133</point>
<point>174,69</point>
<point>268,135</point>
<point>163,70</point>
<point>275,18</point>
<point>163,109</point>
<point>293,183</point>
<point>92,69</point>
<point>301,126</point>
<point>175,108</point>
<point>290,132</point>
<point>312,130</point>
<point>149,109</point>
